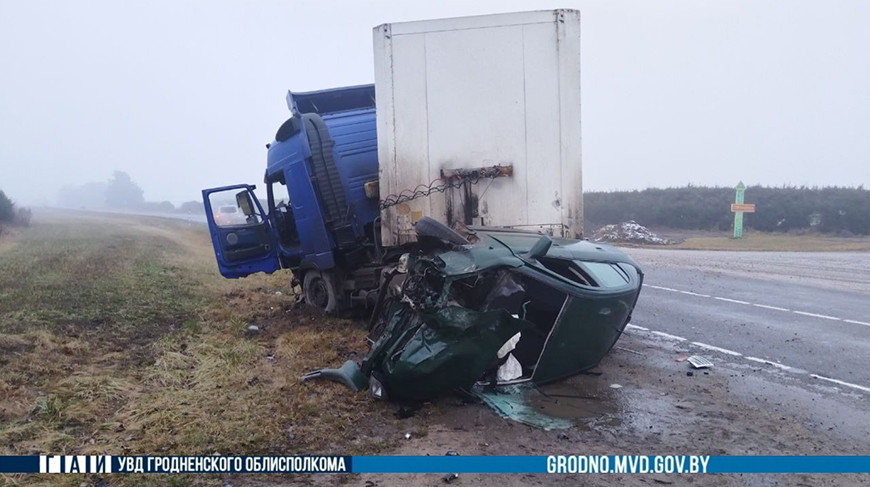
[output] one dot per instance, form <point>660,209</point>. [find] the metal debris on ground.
<point>699,362</point>
<point>615,386</point>
<point>450,477</point>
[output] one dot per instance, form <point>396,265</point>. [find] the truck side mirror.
<point>243,200</point>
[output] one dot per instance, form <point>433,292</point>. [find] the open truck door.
<point>243,238</point>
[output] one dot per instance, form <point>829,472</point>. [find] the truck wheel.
<point>319,289</point>
<point>430,227</point>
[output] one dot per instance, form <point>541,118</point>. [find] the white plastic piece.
<point>699,362</point>
<point>509,345</point>
<point>510,370</point>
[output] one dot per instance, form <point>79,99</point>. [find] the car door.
<point>243,238</point>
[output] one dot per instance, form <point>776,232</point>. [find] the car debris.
<point>699,362</point>
<point>517,403</point>
<point>450,477</point>
<point>514,307</point>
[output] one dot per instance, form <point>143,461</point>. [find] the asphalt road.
<point>805,314</point>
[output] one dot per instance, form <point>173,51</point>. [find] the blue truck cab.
<point>320,215</point>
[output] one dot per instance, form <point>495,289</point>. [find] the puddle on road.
<point>586,400</point>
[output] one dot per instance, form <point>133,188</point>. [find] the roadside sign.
<point>744,207</point>
<point>738,214</point>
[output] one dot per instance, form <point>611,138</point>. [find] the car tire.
<point>429,227</point>
<point>321,291</point>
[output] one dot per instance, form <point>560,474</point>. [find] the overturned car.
<point>512,307</point>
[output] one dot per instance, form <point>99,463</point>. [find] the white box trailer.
<point>476,92</point>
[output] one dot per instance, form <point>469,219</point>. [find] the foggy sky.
<point>184,95</point>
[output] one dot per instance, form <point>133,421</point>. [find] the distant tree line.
<point>118,193</point>
<point>778,209</point>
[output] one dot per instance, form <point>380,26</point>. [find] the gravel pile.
<point>629,231</point>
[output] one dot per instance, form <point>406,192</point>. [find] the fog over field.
<point>185,95</point>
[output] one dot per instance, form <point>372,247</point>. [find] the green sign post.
<point>738,215</point>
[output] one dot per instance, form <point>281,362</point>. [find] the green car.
<point>512,307</point>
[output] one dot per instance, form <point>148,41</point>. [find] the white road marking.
<point>717,349</point>
<point>668,336</point>
<point>661,287</point>
<point>814,315</point>
<point>755,359</point>
<point>775,308</point>
<point>757,305</point>
<point>731,300</point>
<point>778,365</point>
<point>770,362</point>
<point>690,293</point>
<point>842,383</point>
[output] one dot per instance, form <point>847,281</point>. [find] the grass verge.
<point>118,336</point>
<point>776,242</point>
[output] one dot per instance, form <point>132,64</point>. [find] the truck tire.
<point>429,227</point>
<point>321,291</point>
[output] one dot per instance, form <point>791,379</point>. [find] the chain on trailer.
<point>450,178</point>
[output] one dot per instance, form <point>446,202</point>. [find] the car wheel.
<point>320,290</point>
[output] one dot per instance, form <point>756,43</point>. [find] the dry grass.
<point>118,336</point>
<point>776,242</point>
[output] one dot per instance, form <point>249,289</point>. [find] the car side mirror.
<point>541,247</point>
<point>243,200</point>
